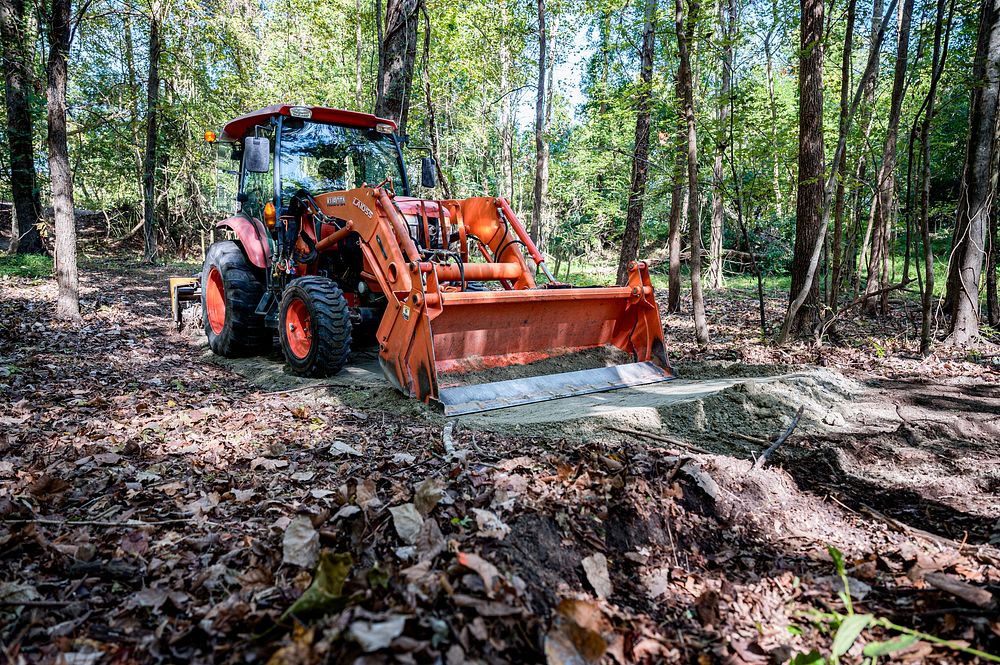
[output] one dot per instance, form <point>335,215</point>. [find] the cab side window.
<point>259,188</point>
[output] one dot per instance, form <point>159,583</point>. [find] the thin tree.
<point>841,196</point>
<point>24,237</point>
<point>978,184</point>
<point>431,119</point>
<point>885,187</point>
<point>678,204</point>
<point>399,52</point>
<point>808,283</point>
<point>149,161</point>
<point>685,36</point>
<point>809,205</point>
<point>541,149</point>
<point>727,30</point>
<point>640,157</point>
<point>937,67</point>
<point>60,173</point>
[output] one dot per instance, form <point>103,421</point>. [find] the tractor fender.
<point>252,236</point>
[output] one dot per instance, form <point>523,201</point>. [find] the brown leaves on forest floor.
<point>157,507</point>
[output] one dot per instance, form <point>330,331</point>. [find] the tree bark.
<point>773,107</point>
<point>68,301</point>
<point>685,35</point>
<point>541,153</point>
<point>431,120</point>
<point>809,204</point>
<point>978,182</point>
<point>24,237</point>
<point>808,281</point>
<point>640,158</point>
<point>937,67</point>
<point>150,226</point>
<point>727,28</point>
<point>399,52</point>
<point>885,186</point>
<point>358,54</point>
<point>677,207</point>
<point>845,101</point>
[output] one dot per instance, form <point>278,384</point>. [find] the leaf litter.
<point>155,507</point>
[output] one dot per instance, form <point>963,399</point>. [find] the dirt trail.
<point>917,449</point>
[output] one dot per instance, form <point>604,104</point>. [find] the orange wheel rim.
<point>298,328</point>
<point>215,301</point>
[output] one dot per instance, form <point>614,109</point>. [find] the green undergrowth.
<point>849,627</point>
<point>25,265</point>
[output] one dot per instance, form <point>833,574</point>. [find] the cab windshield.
<point>323,158</point>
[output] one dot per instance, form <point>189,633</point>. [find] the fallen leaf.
<point>596,567</point>
<point>408,522</point>
<point>135,543</point>
<point>338,448</point>
<point>300,545</point>
<point>373,636</point>
<point>577,634</point>
<point>430,541</point>
<point>427,495</point>
<point>490,526</point>
<point>486,570</point>
<point>268,464</point>
<point>325,594</point>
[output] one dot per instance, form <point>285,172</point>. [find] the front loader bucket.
<point>439,345</point>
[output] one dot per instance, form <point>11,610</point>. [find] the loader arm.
<point>432,325</point>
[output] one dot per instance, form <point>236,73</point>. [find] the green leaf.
<point>838,560</point>
<point>325,593</point>
<point>811,658</point>
<point>848,632</point>
<point>876,649</point>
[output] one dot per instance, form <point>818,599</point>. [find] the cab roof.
<point>236,129</point>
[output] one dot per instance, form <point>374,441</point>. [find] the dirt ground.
<point>159,504</point>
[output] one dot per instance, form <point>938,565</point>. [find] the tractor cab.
<point>284,149</point>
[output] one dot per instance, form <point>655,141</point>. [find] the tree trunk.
<point>773,107</point>
<point>431,120</point>
<point>809,204</point>
<point>358,54</point>
<point>149,160</point>
<point>677,206</point>
<point>506,187</point>
<point>885,185</point>
<point>399,52</point>
<point>685,36</point>
<point>809,285</point>
<point>978,184</point>
<point>640,158</point>
<point>541,154</point>
<point>24,237</point>
<point>727,28</point>
<point>838,214</point>
<point>68,302</point>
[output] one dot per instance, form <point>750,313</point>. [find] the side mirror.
<point>428,174</point>
<point>256,154</point>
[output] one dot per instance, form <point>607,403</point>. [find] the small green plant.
<point>25,265</point>
<point>848,628</point>
<point>880,351</point>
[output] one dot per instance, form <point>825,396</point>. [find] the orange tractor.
<point>329,247</point>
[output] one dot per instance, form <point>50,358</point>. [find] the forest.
<point>853,154</point>
<point>563,331</point>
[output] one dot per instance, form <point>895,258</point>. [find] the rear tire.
<point>230,293</point>
<point>314,326</point>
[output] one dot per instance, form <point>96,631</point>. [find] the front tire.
<point>314,327</point>
<point>230,292</point>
